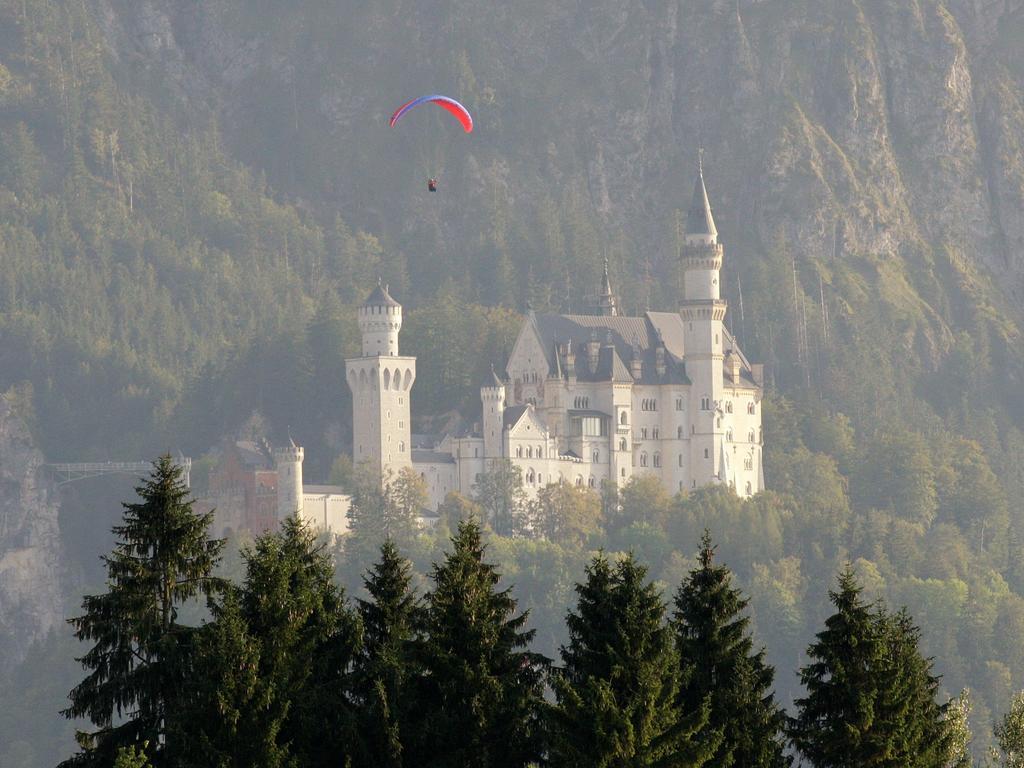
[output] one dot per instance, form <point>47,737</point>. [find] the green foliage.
<point>480,692</point>
<point>616,692</point>
<point>718,665</point>
<point>499,492</point>
<point>129,757</point>
<point>140,656</point>
<point>1009,736</point>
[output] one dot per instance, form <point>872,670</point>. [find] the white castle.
<point>585,399</point>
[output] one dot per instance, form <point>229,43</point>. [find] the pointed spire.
<point>607,304</point>
<point>699,220</point>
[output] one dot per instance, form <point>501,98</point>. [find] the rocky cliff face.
<point>30,563</point>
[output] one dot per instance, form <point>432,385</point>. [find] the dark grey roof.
<point>325,490</point>
<point>620,338</point>
<point>699,220</point>
<point>423,440</point>
<point>380,298</point>
<point>250,454</point>
<point>512,415</point>
<point>492,379</point>
<point>431,457</point>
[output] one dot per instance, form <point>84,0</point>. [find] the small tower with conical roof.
<point>492,397</point>
<point>288,459</point>
<point>703,312</point>
<point>606,302</point>
<point>381,382</point>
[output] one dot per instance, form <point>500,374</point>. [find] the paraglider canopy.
<point>446,102</point>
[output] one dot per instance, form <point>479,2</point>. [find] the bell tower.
<point>703,313</point>
<point>381,381</point>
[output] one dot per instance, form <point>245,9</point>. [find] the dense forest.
<point>194,197</point>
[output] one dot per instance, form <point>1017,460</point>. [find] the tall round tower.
<point>381,381</point>
<point>380,320</point>
<point>703,313</point>
<point>288,459</point>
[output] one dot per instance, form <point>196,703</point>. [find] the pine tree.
<point>232,718</point>
<point>718,664</point>
<point>834,722</point>
<point>616,695</point>
<point>140,656</point>
<point>384,665</point>
<point>308,639</point>
<point>479,693</point>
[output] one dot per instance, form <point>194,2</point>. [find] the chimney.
<point>593,353</point>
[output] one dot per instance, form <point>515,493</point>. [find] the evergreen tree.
<point>479,693</point>
<point>718,664</point>
<point>308,639</point>
<point>384,665</point>
<point>140,656</point>
<point>833,726</point>
<point>616,695</point>
<point>233,717</point>
<point>871,697</point>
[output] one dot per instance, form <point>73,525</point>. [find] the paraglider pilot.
<point>432,184</point>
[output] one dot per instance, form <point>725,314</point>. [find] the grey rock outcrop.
<point>30,547</point>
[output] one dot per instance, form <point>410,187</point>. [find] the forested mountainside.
<point>193,197</point>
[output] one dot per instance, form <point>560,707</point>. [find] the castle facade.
<point>584,399</point>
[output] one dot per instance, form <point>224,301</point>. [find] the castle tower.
<point>492,396</point>
<point>289,480</point>
<point>606,300</point>
<point>703,313</point>
<point>381,382</point>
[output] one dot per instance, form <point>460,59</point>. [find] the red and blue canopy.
<point>446,102</point>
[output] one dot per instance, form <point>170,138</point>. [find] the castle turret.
<point>289,480</point>
<point>381,382</point>
<point>703,314</point>
<point>492,397</point>
<point>380,320</point>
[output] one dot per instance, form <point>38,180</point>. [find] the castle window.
<point>705,403</point>
<point>657,459</point>
<point>728,435</point>
<point>680,459</point>
<point>401,425</point>
<point>519,451</point>
<point>476,453</point>
<point>679,403</point>
<point>581,403</point>
<point>750,436</point>
<point>401,401</point>
<point>749,490</point>
<point>748,463</point>
<point>648,404</point>
<point>401,447</point>
<point>540,453</point>
<point>751,408</point>
<point>579,480</point>
<point>590,482</point>
<point>539,481</point>
<point>706,456</point>
<point>529,452</point>
<point>622,472</point>
<point>643,433</point>
<point>679,433</point>
<point>597,456</point>
<point>728,407</point>
<point>643,459</point>
<point>655,433</point>
<point>622,419</point>
<point>622,444</point>
<point>530,477</point>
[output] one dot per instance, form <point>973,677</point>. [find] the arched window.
<point>728,407</point>
<point>519,451</point>
<point>597,457</point>
<point>401,446</point>
<point>679,403</point>
<point>706,456</point>
<point>622,418</point>
<point>751,408</point>
<point>679,433</point>
<point>728,435</point>
<point>579,480</point>
<point>657,459</point>
<point>590,482</point>
<point>655,433</point>
<point>705,403</point>
<point>530,477</point>
<point>643,459</point>
<point>529,451</point>
<point>540,453</point>
<point>748,462</point>
<point>750,436</point>
<point>680,459</point>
